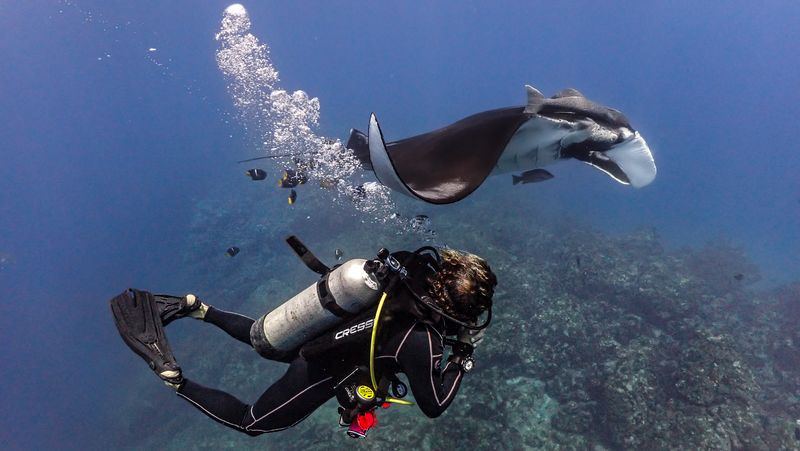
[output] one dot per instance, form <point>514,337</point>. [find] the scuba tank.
<point>340,294</point>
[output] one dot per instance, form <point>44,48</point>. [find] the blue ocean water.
<point>108,146</point>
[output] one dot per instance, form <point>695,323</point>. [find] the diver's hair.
<point>464,285</point>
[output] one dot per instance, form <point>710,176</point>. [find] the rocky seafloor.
<point>598,341</point>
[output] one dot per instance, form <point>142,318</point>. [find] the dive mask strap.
<point>431,304</point>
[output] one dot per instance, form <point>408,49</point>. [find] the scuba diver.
<point>347,336</point>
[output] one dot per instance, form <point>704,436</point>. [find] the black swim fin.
<point>171,308</point>
<point>136,315</point>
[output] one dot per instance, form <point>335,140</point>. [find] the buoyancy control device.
<point>340,294</point>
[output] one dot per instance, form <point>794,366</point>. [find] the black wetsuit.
<point>407,345</point>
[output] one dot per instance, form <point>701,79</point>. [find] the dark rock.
<point>711,372</point>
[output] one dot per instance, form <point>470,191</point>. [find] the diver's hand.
<point>470,336</point>
<point>463,346</point>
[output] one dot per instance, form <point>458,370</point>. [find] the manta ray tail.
<point>359,144</point>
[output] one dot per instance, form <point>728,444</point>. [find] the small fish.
<point>284,183</point>
<point>256,174</point>
<point>532,176</point>
<point>292,178</point>
<point>338,253</point>
<point>292,197</point>
<point>739,276</point>
<point>232,251</point>
<point>578,262</point>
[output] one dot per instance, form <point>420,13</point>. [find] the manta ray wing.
<point>446,165</point>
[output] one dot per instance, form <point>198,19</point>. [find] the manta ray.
<point>446,165</point>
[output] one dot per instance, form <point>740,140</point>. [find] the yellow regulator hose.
<point>372,354</point>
